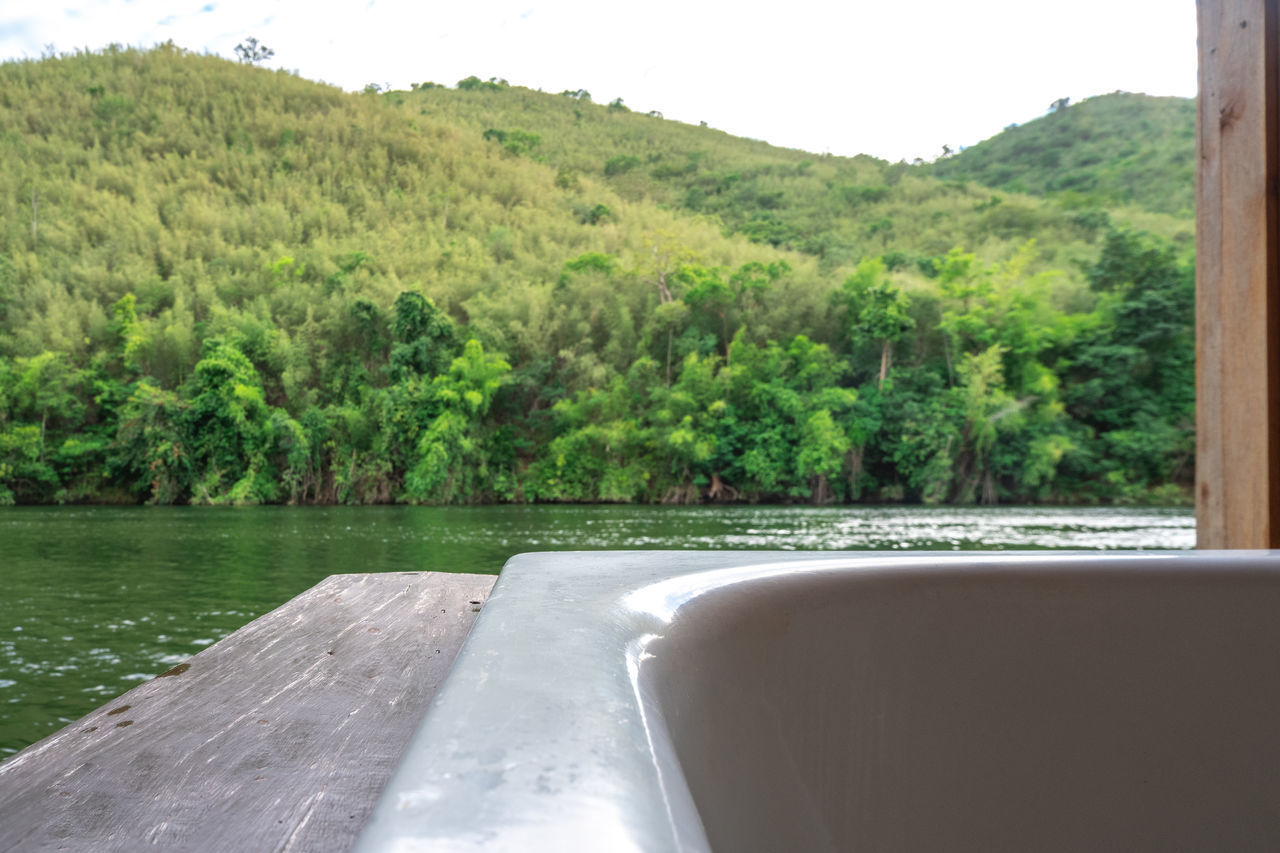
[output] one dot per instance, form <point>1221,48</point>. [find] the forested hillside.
<point>841,209</point>
<point>220,284</point>
<point>1110,150</point>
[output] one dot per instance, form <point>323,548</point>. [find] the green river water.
<point>95,600</point>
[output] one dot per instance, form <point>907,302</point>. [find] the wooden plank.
<point>279,737</point>
<point>1238,301</point>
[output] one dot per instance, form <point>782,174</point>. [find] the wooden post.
<point>1237,293</point>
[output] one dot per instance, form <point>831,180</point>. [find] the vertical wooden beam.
<point>1237,276</point>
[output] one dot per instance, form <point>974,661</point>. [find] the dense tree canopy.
<point>222,284</point>
<point>1115,149</point>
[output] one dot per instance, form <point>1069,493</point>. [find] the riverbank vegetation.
<point>221,284</point>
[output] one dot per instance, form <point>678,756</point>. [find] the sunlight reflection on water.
<point>97,599</point>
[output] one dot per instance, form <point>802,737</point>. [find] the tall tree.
<point>877,311</point>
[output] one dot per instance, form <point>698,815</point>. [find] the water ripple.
<point>100,598</point>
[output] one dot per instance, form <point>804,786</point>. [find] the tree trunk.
<point>989,497</point>
<point>819,491</point>
<point>855,471</point>
<point>669,338</point>
<point>720,490</point>
<point>946,352</point>
<point>664,292</point>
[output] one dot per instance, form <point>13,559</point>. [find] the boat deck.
<point>279,737</point>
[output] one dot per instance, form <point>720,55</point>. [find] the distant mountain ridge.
<point>1110,150</point>
<point>839,209</point>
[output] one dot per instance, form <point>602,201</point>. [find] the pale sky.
<point>897,80</point>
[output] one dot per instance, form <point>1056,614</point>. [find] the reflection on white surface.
<point>663,599</point>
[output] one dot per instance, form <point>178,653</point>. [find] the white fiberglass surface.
<point>762,701</point>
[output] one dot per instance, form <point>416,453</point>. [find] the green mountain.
<point>220,284</point>
<point>1117,149</point>
<point>835,208</point>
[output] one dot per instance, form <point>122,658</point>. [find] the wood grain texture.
<point>279,737</point>
<point>1237,300</point>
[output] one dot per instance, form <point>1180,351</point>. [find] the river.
<point>98,599</point>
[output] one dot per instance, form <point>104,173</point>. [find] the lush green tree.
<point>453,453</point>
<point>1129,374</point>
<point>876,310</point>
<point>252,52</point>
<point>1114,150</point>
<point>425,342</point>
<point>152,451</point>
<point>601,448</point>
<point>234,438</point>
<point>219,285</point>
